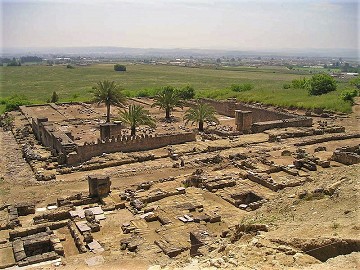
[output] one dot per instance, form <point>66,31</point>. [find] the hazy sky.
<point>222,24</point>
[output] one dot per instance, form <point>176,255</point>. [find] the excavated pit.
<point>326,248</point>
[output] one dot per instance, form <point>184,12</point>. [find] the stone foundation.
<point>347,155</point>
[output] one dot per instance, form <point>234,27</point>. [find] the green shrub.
<point>286,86</point>
<point>321,84</point>
<point>302,83</point>
<point>356,82</point>
<point>349,94</point>
<point>54,98</point>
<point>14,102</point>
<point>69,66</point>
<point>241,87</point>
<point>119,67</point>
<point>187,92</point>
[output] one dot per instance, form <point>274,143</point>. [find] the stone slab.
<point>96,210</point>
<point>77,213</point>
<point>6,257</point>
<point>94,261</point>
<point>95,246</point>
<point>82,226</point>
<point>100,217</point>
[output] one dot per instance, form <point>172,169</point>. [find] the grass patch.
<point>38,82</point>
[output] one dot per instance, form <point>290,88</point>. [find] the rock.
<point>217,262</point>
<point>319,148</point>
<point>233,262</point>
<point>285,153</point>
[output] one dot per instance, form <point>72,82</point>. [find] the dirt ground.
<point>287,216</point>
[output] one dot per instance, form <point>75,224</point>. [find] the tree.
<point>200,113</point>
<point>136,115</point>
<point>14,63</point>
<point>119,67</point>
<point>109,93</point>
<point>167,99</point>
<point>321,84</point>
<point>54,97</point>
<point>24,59</point>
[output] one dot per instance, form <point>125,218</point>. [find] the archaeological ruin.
<point>225,197</point>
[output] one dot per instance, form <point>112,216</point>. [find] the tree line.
<point>166,99</point>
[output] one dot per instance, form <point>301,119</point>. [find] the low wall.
<point>262,118</point>
<point>228,107</point>
<point>294,122</point>
<point>45,132</point>
<point>127,144</point>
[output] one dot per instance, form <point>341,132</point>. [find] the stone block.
<point>99,185</point>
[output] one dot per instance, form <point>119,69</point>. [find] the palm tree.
<point>201,113</point>
<point>167,99</point>
<point>136,115</point>
<point>109,93</point>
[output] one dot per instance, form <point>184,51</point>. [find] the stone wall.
<point>57,140</point>
<point>127,144</point>
<point>109,130</point>
<point>294,122</point>
<point>259,114</point>
<point>262,118</point>
<point>347,155</point>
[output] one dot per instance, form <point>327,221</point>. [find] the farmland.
<point>37,82</point>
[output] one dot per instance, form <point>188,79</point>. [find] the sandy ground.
<point>287,216</point>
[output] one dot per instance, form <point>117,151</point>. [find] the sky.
<point>196,24</point>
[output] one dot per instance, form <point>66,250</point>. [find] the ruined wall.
<point>127,144</point>
<point>224,107</point>
<point>57,140</point>
<point>294,122</point>
<point>228,107</point>
<point>262,118</point>
<point>108,130</point>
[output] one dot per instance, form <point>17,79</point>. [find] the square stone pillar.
<point>99,185</point>
<point>243,121</point>
<point>105,131</point>
<point>109,130</point>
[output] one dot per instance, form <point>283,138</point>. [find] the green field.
<point>38,82</point>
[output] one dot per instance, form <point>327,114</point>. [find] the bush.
<point>14,102</point>
<point>241,87</point>
<point>119,67</point>
<point>187,92</point>
<point>349,94</point>
<point>69,66</point>
<point>54,97</point>
<point>321,84</point>
<point>286,86</point>
<point>356,82</point>
<point>302,83</point>
<point>14,64</point>
<point>7,121</point>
